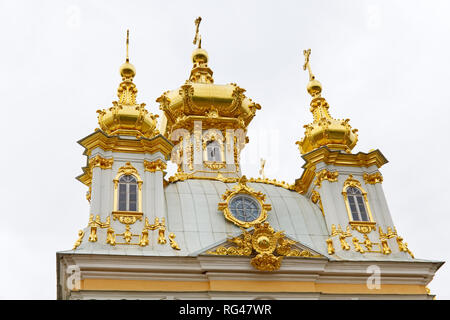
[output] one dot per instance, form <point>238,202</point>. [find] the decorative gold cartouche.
<point>126,117</point>
<point>336,134</point>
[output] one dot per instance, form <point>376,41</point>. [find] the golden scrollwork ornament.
<point>270,247</point>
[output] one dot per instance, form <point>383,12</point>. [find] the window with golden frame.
<point>356,202</point>
<point>127,190</point>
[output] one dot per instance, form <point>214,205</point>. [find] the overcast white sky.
<point>383,64</point>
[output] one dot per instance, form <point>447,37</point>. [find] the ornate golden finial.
<point>126,117</point>
<point>198,38</point>
<point>127,70</point>
<point>324,130</point>
<point>200,72</point>
<point>314,87</point>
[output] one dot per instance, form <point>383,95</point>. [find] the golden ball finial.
<point>200,55</point>
<point>314,87</point>
<point>127,71</point>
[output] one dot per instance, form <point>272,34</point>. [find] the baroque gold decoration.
<point>242,188</point>
<point>94,224</point>
<point>160,226</point>
<point>126,117</point>
<point>79,240</point>
<point>142,145</point>
<point>172,241</point>
<point>155,165</point>
<point>143,241</point>
<point>127,235</point>
<point>373,178</point>
<point>110,237</point>
<point>403,246</point>
<point>182,176</point>
<point>214,165</point>
<point>265,243</point>
<point>200,99</point>
<point>389,235</point>
<point>273,182</point>
<point>352,182</point>
<point>235,153</point>
<point>336,158</point>
<point>369,245</point>
<point>99,161</point>
<point>383,239</point>
<point>367,242</point>
<point>384,244</point>
<point>315,198</point>
<point>363,226</point>
<point>342,235</point>
<point>325,175</point>
<point>358,248</point>
<point>127,217</point>
<point>191,156</point>
<point>330,246</point>
<point>336,134</point>
<point>128,169</point>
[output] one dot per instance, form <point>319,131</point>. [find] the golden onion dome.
<point>336,134</point>
<point>199,99</point>
<point>126,117</point>
<point>324,130</point>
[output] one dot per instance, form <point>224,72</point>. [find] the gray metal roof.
<point>192,214</point>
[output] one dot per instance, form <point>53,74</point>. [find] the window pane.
<point>213,151</point>
<point>216,154</point>
<point>351,201</point>
<point>362,208</point>
<point>122,197</point>
<point>133,197</point>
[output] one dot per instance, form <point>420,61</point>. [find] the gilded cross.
<point>197,37</point>
<point>307,53</point>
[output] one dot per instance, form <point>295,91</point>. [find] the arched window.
<point>128,193</point>
<point>356,202</point>
<point>213,151</point>
<point>128,190</point>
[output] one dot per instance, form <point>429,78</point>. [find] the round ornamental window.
<point>244,208</point>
